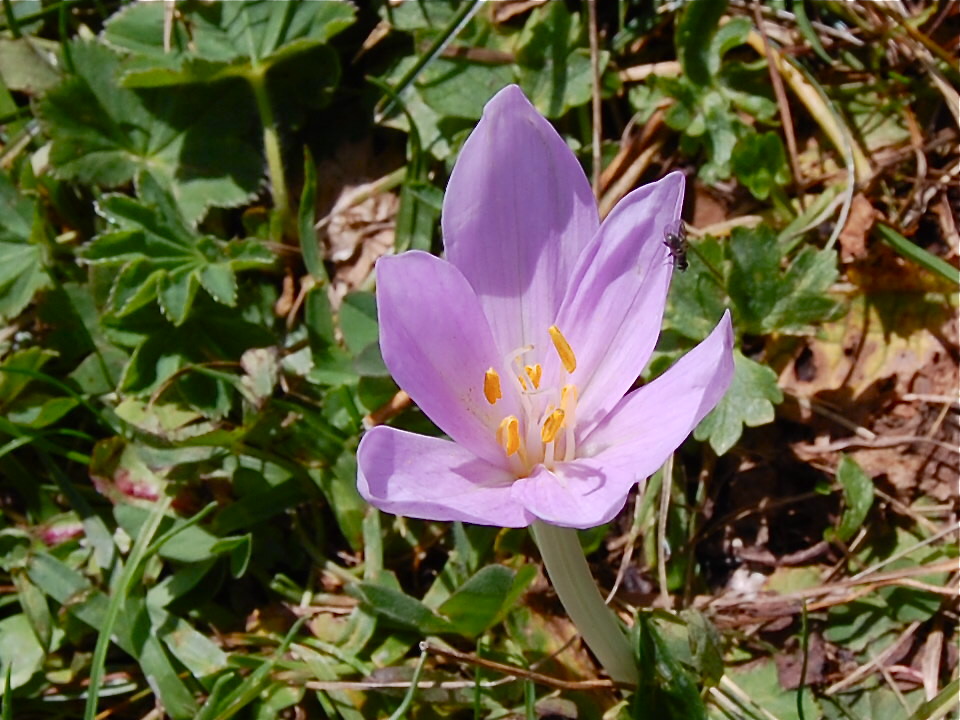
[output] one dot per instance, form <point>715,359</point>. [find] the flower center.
<point>544,432</point>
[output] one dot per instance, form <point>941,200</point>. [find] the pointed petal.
<point>433,479</point>
<point>580,494</point>
<point>613,310</point>
<point>652,422</point>
<point>437,345</point>
<point>516,214</point>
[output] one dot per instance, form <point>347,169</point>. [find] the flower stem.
<point>567,567</point>
<point>271,147</point>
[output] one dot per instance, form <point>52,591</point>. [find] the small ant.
<point>676,243</point>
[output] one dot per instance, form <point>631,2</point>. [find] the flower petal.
<point>613,310</point>
<point>517,212</point>
<point>433,479</point>
<point>579,494</point>
<point>652,422</point>
<point>437,345</point>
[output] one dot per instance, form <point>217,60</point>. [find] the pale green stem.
<point>271,147</point>
<point>598,626</point>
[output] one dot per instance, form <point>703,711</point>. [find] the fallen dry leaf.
<point>853,237</point>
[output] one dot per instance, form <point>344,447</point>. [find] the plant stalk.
<point>271,147</point>
<point>568,571</point>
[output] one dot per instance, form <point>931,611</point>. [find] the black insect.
<point>676,242</point>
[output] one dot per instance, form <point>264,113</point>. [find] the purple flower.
<point>521,344</point>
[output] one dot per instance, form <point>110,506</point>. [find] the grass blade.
<point>128,575</point>
<point>917,254</point>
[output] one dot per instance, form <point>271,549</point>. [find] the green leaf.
<point>339,487</point>
<point>695,29</point>
<point>805,298</point>
<point>766,299</point>
<point>478,604</point>
<point>554,61</point>
<point>221,40</point>
<point>706,647</point>
<point>358,320</point>
<point>22,270</point>
<point>762,689</point>
<point>162,259</point>
<point>749,401</point>
<point>34,604</point>
<point>161,349</point>
<point>28,64</point>
<point>132,631</point>
<point>22,16</point>
<point>667,689</point>
<point>417,216</point>
<point>760,163</point>
<point>306,217</point>
<point>940,705</point>
<point>857,497</point>
<point>21,654</point>
<point>698,296</point>
<point>102,134</point>
<point>917,254</point>
<point>401,609</point>
<point>459,89</point>
<point>15,374</point>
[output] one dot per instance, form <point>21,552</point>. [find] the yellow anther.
<point>491,386</point>
<point>568,398</point>
<point>534,372</point>
<point>508,434</point>
<point>523,382</point>
<point>564,350</point>
<point>552,425</point>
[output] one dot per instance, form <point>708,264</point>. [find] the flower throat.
<point>540,435</point>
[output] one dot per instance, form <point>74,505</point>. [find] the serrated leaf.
<point>134,287</point>
<point>22,273</point>
<point>245,38</point>
<point>760,163</point>
<point>22,270</point>
<point>163,258</point>
<point>698,296</point>
<point>176,291</point>
<point>210,331</point>
<point>102,134</point>
<point>768,299</point>
<point>749,401</point>
<point>219,280</point>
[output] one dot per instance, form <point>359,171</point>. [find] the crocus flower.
<point>523,343</point>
